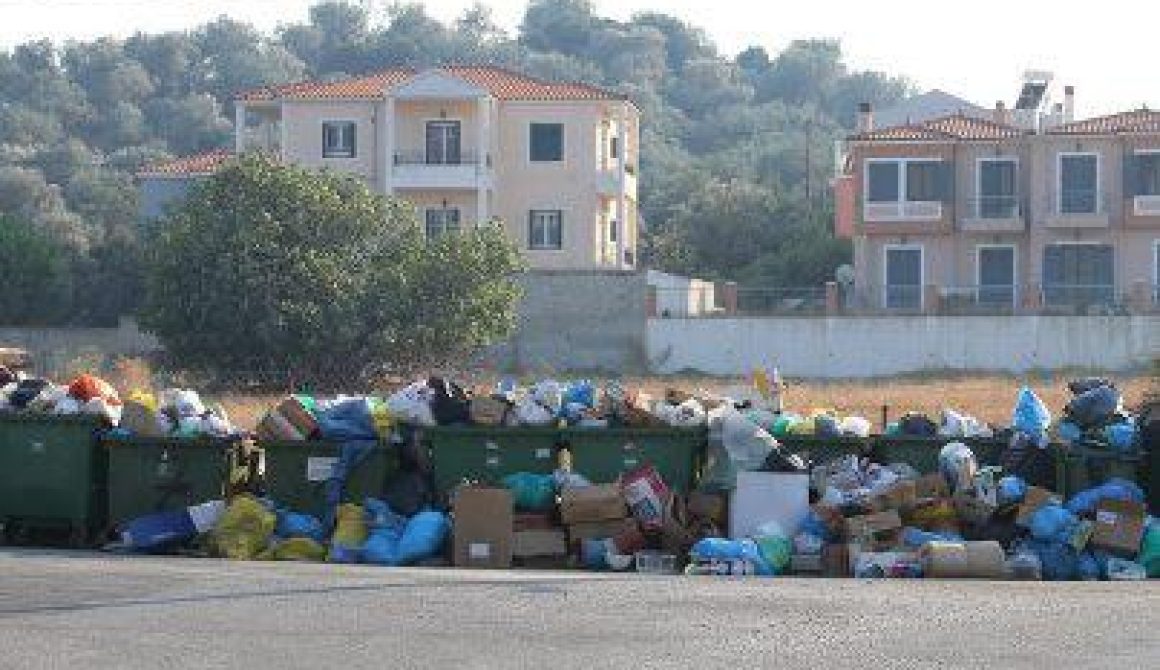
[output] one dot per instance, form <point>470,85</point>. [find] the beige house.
<point>556,162</point>
<point>1024,212</point>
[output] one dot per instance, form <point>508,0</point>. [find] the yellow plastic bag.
<point>381,418</point>
<point>144,398</point>
<point>350,533</point>
<point>244,530</point>
<point>295,549</point>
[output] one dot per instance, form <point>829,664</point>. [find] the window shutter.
<point>946,181</point>
<point>531,229</point>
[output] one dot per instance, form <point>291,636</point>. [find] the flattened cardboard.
<point>599,530</point>
<point>539,543</point>
<point>592,504</point>
<point>1119,527</point>
<point>482,533</point>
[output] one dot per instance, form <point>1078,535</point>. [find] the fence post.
<point>650,302</point>
<point>832,303</point>
<point>729,292</point>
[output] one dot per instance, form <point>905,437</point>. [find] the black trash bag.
<point>780,460</point>
<point>27,391</point>
<point>1094,408</point>
<point>408,492</point>
<point>449,403</point>
<point>914,424</point>
<point>6,376</point>
<point>1082,386</point>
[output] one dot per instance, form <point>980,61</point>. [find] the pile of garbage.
<point>1095,418</point>
<point>86,394</point>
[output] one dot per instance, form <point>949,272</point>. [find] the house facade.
<point>556,162</point>
<point>1021,213</point>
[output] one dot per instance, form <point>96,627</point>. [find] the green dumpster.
<point>922,453</point>
<point>822,450</point>
<point>487,454</point>
<point>52,474</point>
<point>1084,468</point>
<point>154,474</point>
<point>603,454</point>
<point>296,474</point>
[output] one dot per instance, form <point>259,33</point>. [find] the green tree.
<point>34,274</point>
<point>269,267</point>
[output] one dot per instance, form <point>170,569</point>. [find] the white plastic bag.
<point>413,405</point>
<point>855,426</point>
<point>531,413</point>
<point>747,444</point>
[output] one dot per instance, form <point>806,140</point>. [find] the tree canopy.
<point>77,119</point>
<point>267,267</point>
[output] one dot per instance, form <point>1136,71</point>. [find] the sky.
<point>976,49</point>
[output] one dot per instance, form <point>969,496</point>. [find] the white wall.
<point>682,296</point>
<point>880,346</point>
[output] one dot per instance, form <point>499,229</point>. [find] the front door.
<point>443,139</point>
<point>903,278</point>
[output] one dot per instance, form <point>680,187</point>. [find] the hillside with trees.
<point>736,151</point>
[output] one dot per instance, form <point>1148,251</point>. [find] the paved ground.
<point>70,610</point>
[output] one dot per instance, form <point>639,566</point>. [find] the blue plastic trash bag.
<point>531,492</point>
<point>348,419</point>
<point>914,538</point>
<point>293,524</point>
<point>581,393</point>
<point>1069,433</point>
<point>1085,502</point>
<point>813,525</point>
<point>155,532</point>
<point>1031,415</point>
<point>1059,561</point>
<point>1052,523</point>
<point>382,547</point>
<point>1095,407</point>
<point>423,537</point>
<point>1012,491</point>
<point>716,548</point>
<point>1090,568</point>
<point>1121,436</point>
<point>826,426</point>
<point>380,515</point>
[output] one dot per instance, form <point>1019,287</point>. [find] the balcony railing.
<point>902,211</point>
<point>423,158</point>
<point>1147,205</point>
<point>1080,202</point>
<point>991,207</point>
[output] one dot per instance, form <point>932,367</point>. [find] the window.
<point>545,229</point>
<point>546,141</point>
<point>614,148</point>
<point>1156,272</point>
<point>996,275</point>
<point>1078,183</point>
<point>903,277</point>
<point>613,227</point>
<point>997,193</point>
<point>443,143</point>
<point>338,139</point>
<point>1144,179</point>
<point>907,180</point>
<point>1078,274</point>
<point>442,221</point>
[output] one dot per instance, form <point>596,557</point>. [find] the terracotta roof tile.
<point>1139,121</point>
<point>502,83</point>
<point>943,129</point>
<point>189,166</point>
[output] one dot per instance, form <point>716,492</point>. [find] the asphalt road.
<point>73,610</point>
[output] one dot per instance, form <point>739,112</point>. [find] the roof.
<point>943,129</point>
<point>190,166</point>
<point>1139,121</point>
<point>501,83</point>
<point>926,107</point>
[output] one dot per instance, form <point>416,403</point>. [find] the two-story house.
<point>1023,212</point>
<point>556,162</point>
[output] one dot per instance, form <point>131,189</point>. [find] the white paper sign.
<point>479,551</point>
<point>320,468</point>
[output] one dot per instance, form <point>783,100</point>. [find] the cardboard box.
<point>836,560</point>
<point>712,507</point>
<point>482,536</point>
<point>873,525</point>
<point>1036,497</point>
<point>537,543</point>
<point>544,562</point>
<point>898,497</point>
<point>933,485</point>
<point>1119,527</point>
<point>536,521</point>
<point>592,504</point>
<point>599,530</point>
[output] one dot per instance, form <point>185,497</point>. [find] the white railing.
<point>1148,205</point>
<point>902,211</point>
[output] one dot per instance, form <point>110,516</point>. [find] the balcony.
<point>608,182</point>
<point>266,138</point>
<point>1147,205</point>
<point>414,170</point>
<point>1079,209</point>
<point>875,212</point>
<point>994,214</point>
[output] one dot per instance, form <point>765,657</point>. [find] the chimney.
<point>1001,115</point>
<point>865,117</point>
<point>1068,104</point>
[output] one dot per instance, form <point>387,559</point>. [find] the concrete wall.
<point>883,346</point>
<point>302,125</point>
<point>577,320</point>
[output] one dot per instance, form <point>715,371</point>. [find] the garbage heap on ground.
<point>759,509</point>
